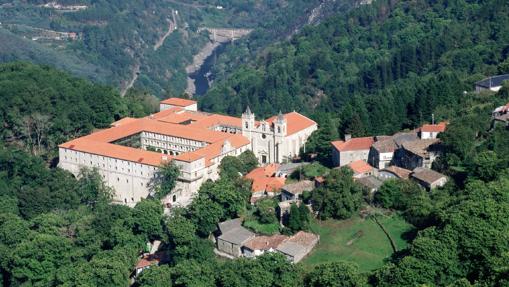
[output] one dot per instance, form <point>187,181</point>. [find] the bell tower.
<point>280,125</point>
<point>280,132</point>
<point>248,123</point>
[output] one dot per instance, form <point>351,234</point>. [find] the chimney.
<point>165,158</point>
<point>348,137</point>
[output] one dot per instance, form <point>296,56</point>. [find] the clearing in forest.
<point>357,240</point>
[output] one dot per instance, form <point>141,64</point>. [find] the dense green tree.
<point>266,211</point>
<point>157,276</point>
<point>339,198</point>
<point>249,161</point>
<point>165,179</point>
<point>147,216</point>
<point>337,274</point>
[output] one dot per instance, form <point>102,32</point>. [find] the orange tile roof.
<point>295,122</point>
<point>149,260</point>
<point>123,121</point>
<point>438,128</point>
<point>178,102</point>
<point>215,120</point>
<point>354,144</point>
<point>360,166</point>
<point>116,151</point>
<point>155,126</point>
<point>214,150</point>
<point>264,180</point>
<point>398,171</point>
<point>264,171</point>
<point>265,242</point>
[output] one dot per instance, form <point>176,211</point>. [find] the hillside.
<point>145,44</point>
<point>377,69</point>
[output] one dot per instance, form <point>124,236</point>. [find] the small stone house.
<point>429,178</point>
<point>419,153</point>
<point>294,191</point>
<point>233,237</point>
<point>394,172</point>
<point>350,150</point>
<point>261,244</point>
<point>361,169</point>
<point>298,246</point>
<point>432,131</point>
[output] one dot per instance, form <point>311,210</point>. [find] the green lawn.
<point>357,240</point>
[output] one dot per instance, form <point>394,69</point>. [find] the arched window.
<point>279,129</point>
<point>247,125</point>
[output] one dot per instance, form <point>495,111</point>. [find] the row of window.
<point>171,139</point>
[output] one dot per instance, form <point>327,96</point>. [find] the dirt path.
<point>130,84</point>
<point>172,27</point>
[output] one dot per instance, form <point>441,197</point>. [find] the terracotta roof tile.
<point>398,171</point>
<point>264,180</point>
<point>116,151</point>
<point>295,122</point>
<point>438,128</point>
<point>360,166</point>
<point>364,143</point>
<point>178,102</point>
<point>265,242</point>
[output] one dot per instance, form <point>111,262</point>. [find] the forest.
<point>56,230</point>
<point>379,69</point>
<point>115,37</point>
<point>376,70</point>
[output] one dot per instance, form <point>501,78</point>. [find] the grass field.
<point>357,240</point>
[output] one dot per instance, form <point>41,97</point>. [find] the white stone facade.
<point>129,154</point>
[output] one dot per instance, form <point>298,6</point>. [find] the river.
<point>203,77</point>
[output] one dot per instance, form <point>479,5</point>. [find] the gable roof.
<point>237,236</point>
<point>229,225</point>
<point>427,175</point>
<point>438,128</point>
<point>178,102</point>
<point>295,122</point>
<point>420,147</point>
<point>398,171</point>
<point>493,81</point>
<point>360,166</point>
<point>363,143</point>
<point>299,187</point>
<point>264,178</point>
<point>265,242</point>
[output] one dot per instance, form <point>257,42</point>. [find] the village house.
<point>129,154</point>
<point>265,183</point>
<point>493,83</point>
<point>147,261</point>
<point>394,172</point>
<point>293,191</point>
<point>233,237</point>
<point>361,169</point>
<point>419,153</point>
<point>382,152</point>
<point>261,244</point>
<point>429,178</point>
<point>432,131</point>
<point>350,150</point>
<point>298,246</point>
